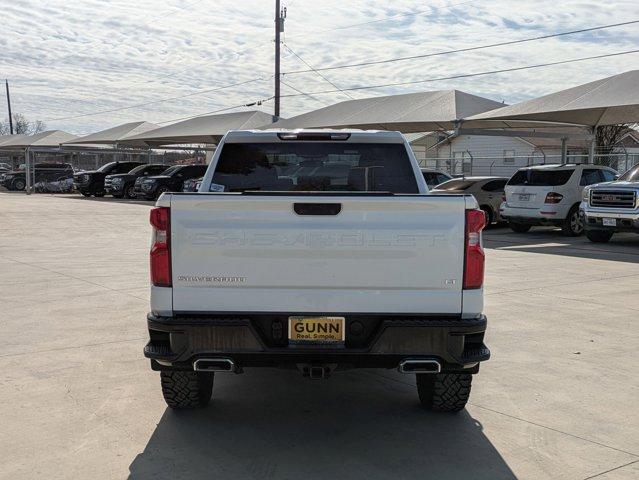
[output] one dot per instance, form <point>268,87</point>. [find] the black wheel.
<point>489,215</point>
<point>97,195</point>
<point>129,192</point>
<point>184,390</point>
<point>573,226</point>
<point>160,191</point>
<point>519,227</point>
<point>444,392</point>
<point>117,195</point>
<point>599,236</point>
<point>18,184</point>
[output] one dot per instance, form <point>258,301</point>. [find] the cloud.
<point>65,60</point>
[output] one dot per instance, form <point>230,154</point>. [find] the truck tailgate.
<point>380,253</point>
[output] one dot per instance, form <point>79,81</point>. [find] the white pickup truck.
<point>316,250</point>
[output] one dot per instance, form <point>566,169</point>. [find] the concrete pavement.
<point>78,400</point>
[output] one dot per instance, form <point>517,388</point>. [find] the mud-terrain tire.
<point>599,236</point>
<point>490,217</point>
<point>518,227</point>
<point>18,184</point>
<point>129,192</point>
<point>444,392</point>
<point>572,225</point>
<point>186,390</point>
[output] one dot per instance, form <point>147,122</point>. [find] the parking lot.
<point>558,399</point>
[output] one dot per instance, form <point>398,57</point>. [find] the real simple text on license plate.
<point>316,329</point>
<point>609,222</point>
<point>524,197</point>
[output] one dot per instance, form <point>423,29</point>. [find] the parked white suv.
<point>550,195</point>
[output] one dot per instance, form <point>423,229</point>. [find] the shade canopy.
<point>50,138</point>
<point>408,113</point>
<point>607,101</point>
<point>115,135</point>
<point>7,138</point>
<point>206,129</point>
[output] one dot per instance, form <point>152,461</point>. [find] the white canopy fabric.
<point>7,138</point>
<point>50,138</point>
<point>115,135</point>
<point>407,113</point>
<point>607,101</point>
<point>206,129</point>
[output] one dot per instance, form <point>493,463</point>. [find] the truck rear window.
<point>541,178</point>
<point>315,166</point>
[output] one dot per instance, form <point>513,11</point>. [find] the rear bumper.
<point>457,344</point>
<point>546,215</point>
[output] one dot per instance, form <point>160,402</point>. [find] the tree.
<point>22,125</point>
<point>609,136</point>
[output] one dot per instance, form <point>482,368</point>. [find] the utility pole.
<point>280,15</point>
<point>6,84</point>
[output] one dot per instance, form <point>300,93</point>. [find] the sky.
<point>88,65</point>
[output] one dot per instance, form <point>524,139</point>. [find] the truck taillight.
<point>161,247</point>
<point>553,197</point>
<point>474,253</point>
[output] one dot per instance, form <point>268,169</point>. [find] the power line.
<point>315,70</point>
<point>468,49</point>
<point>299,91</point>
<point>225,59</point>
<point>161,100</point>
<point>173,11</point>
<point>467,75</point>
<point>224,109</point>
<point>385,19</point>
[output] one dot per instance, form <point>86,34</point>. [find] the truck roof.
<point>355,135</point>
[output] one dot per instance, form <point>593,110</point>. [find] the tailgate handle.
<point>317,208</point>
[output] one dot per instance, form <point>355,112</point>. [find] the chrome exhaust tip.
<point>413,365</point>
<point>215,365</point>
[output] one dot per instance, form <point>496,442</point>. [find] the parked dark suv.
<point>43,172</point>
<point>92,182</point>
<point>123,184</point>
<point>172,180</point>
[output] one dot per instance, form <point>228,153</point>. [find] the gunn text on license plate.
<point>524,197</point>
<point>316,329</point>
<point>609,222</point>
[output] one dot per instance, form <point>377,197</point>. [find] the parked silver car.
<point>488,191</point>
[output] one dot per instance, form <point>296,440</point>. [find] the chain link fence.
<point>52,169</point>
<point>482,164</point>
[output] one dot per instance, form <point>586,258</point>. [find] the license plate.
<point>609,222</point>
<point>524,197</point>
<point>316,329</point>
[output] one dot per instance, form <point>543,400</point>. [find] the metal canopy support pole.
<point>27,161</point>
<point>593,145</point>
<point>278,27</point>
<point>564,150</point>
<point>6,84</point>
